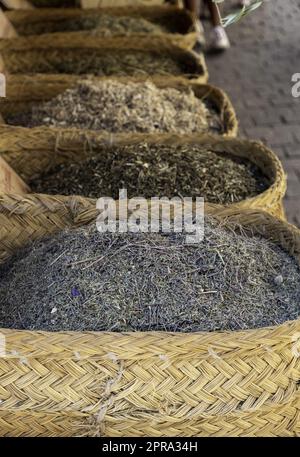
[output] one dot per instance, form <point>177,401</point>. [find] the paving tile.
<point>293,190</point>
<point>257,75</point>
<point>292,150</point>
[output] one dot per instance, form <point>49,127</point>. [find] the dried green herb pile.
<point>117,107</point>
<point>84,280</point>
<point>103,25</point>
<point>155,170</point>
<point>113,62</point>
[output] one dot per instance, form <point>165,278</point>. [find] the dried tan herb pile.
<point>84,280</point>
<point>156,170</point>
<point>100,25</point>
<point>117,107</point>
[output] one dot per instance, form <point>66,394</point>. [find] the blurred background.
<point>257,74</point>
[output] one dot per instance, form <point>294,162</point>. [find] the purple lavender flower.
<point>75,292</point>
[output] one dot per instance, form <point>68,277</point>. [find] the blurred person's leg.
<point>194,7</point>
<point>219,38</point>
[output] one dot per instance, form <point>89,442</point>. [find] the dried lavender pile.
<point>156,170</point>
<point>112,62</point>
<point>103,25</point>
<point>117,107</point>
<point>83,280</point>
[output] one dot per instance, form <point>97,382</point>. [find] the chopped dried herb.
<point>83,280</point>
<point>150,170</point>
<point>114,106</point>
<point>100,25</point>
<point>114,62</point>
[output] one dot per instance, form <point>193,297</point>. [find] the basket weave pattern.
<point>146,384</point>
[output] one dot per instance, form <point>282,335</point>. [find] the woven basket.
<point>180,22</point>
<point>32,152</point>
<point>25,91</point>
<point>47,53</point>
<point>146,384</point>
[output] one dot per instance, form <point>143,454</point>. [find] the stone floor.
<point>257,74</point>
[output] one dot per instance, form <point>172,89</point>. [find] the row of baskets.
<point>136,384</point>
